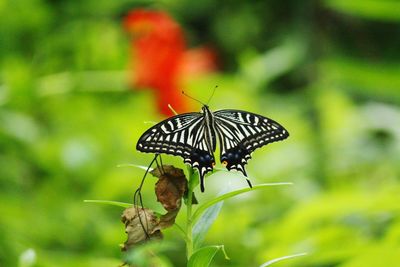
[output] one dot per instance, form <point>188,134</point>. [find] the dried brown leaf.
<point>140,225</point>
<point>168,219</point>
<point>171,186</point>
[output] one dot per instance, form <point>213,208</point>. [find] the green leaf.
<point>201,228</point>
<point>268,263</point>
<point>385,10</point>
<point>214,201</point>
<point>203,256</point>
<point>193,177</point>
<point>109,202</point>
<point>135,165</point>
<point>149,254</point>
<point>207,219</point>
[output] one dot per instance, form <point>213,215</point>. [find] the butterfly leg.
<point>138,200</point>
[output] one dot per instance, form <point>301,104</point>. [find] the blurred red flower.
<point>160,58</point>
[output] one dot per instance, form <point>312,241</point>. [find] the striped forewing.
<point>175,136</point>
<point>188,135</point>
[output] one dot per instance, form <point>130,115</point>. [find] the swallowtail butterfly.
<point>193,136</point>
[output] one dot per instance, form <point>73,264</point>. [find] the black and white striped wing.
<point>241,132</point>
<point>182,135</point>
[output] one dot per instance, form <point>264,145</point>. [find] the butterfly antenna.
<point>183,92</point>
<point>212,94</point>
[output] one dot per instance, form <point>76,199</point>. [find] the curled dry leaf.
<point>168,219</point>
<point>140,225</point>
<point>171,186</point>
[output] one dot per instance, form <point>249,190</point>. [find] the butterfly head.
<point>207,112</point>
<point>205,108</point>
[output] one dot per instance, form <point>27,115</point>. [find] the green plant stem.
<point>189,237</point>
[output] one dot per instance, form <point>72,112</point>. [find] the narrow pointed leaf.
<point>204,256</point>
<point>109,202</point>
<point>207,219</point>
<point>202,208</point>
<point>134,165</point>
<point>268,263</point>
<point>201,228</point>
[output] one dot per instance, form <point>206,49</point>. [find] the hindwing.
<point>241,132</point>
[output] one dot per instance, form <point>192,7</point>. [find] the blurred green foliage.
<point>328,70</point>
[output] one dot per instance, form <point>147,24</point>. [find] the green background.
<point>328,70</point>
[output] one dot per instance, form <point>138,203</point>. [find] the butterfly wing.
<point>241,132</point>
<point>183,135</point>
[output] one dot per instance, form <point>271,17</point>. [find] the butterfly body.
<point>193,136</point>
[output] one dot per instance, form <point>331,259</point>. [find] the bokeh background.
<point>71,111</point>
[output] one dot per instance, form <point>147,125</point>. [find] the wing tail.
<point>202,183</point>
